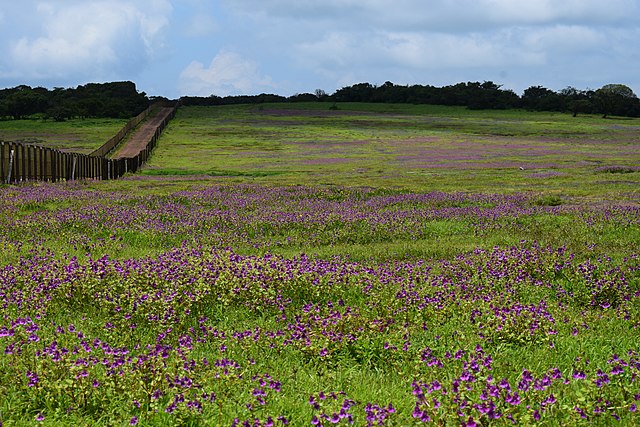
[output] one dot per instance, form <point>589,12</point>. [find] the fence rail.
<point>20,162</point>
<point>113,142</point>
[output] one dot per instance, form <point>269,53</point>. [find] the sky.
<point>232,47</point>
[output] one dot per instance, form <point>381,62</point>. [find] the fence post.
<point>10,165</point>
<point>24,163</point>
<point>17,163</point>
<point>19,172</point>
<point>41,163</point>
<point>36,163</point>
<point>47,164</point>
<point>73,168</point>
<point>2,157</point>
<point>54,166</point>
<point>28,160</point>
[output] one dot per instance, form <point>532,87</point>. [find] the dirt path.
<point>136,142</point>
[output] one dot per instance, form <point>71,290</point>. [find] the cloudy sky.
<point>228,47</point>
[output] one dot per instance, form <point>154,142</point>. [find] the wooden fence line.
<point>21,162</point>
<point>131,124</point>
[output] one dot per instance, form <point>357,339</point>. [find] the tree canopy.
<point>617,99</point>
<point>116,100</point>
<point>122,100</point>
<point>609,100</point>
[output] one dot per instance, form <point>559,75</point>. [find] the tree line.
<point>122,100</point>
<point>611,99</point>
<point>113,100</point>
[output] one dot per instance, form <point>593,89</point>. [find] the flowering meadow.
<point>254,305</point>
<point>414,147</point>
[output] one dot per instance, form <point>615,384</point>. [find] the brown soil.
<point>136,142</point>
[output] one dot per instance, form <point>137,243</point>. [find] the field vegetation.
<point>405,147</point>
<point>371,265</point>
<point>75,135</point>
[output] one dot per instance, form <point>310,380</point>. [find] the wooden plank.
<point>43,160</point>
<point>56,166</point>
<point>12,163</point>
<point>36,163</point>
<point>29,162</point>
<point>11,170</point>
<point>47,165</point>
<point>27,159</point>
<point>64,167</point>
<point>2,161</point>
<point>18,163</point>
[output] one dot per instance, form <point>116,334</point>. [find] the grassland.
<point>294,265</point>
<point>409,147</point>
<point>77,135</point>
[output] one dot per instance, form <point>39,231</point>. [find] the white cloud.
<point>202,25</point>
<point>306,44</point>
<point>443,15</point>
<point>227,74</point>
<point>407,41</point>
<point>95,39</point>
<point>565,39</point>
<point>434,51</point>
<point>413,50</point>
<point>511,12</point>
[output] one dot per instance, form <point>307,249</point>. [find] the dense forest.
<point>122,100</point>
<point>115,100</point>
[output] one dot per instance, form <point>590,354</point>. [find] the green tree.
<point>577,101</point>
<point>24,102</point>
<point>320,94</point>
<point>540,98</point>
<point>616,99</point>
<point>361,92</point>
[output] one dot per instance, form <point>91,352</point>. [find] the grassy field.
<point>77,135</point>
<point>375,265</point>
<point>409,147</point>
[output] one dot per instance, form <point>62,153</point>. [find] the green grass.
<point>403,146</point>
<point>349,282</point>
<point>77,135</point>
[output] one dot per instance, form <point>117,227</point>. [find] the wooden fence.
<point>21,162</point>
<point>113,142</point>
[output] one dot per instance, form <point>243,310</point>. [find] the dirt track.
<point>136,142</point>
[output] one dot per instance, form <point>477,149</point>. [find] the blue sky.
<point>230,47</point>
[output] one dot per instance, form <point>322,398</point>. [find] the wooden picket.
<point>21,162</point>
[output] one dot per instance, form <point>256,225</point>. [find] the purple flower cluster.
<point>256,216</point>
<point>203,331</point>
<point>476,397</point>
<point>331,408</point>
